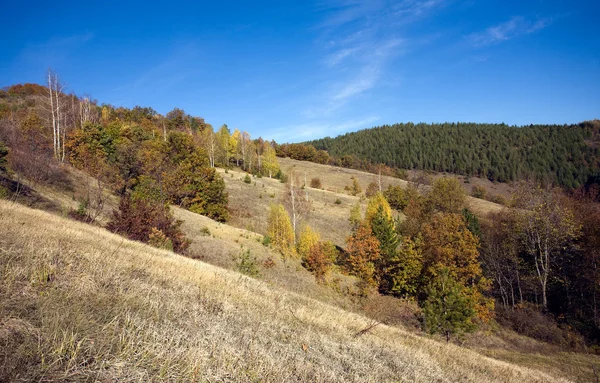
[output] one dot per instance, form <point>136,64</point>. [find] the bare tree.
<point>87,111</point>
<point>209,143</point>
<point>295,202</point>
<point>55,102</point>
<point>244,146</point>
<point>547,227</point>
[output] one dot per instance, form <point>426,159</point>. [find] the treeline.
<point>307,152</point>
<point>150,160</point>
<point>537,259</point>
<point>533,267</point>
<point>566,155</point>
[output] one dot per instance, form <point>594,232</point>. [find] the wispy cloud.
<point>359,38</point>
<point>54,51</point>
<point>308,131</point>
<point>515,27</point>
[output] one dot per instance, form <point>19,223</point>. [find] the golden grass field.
<point>78,303</point>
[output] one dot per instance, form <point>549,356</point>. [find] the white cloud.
<point>515,27</point>
<point>309,131</point>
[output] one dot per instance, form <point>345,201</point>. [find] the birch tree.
<point>55,103</point>
<point>209,143</point>
<point>295,201</point>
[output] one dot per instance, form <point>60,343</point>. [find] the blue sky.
<point>294,71</point>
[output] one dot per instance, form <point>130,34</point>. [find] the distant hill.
<point>565,154</point>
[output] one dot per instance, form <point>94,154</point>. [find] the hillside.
<point>566,155</point>
<point>78,303</point>
<point>249,203</point>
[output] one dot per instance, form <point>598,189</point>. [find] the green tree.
<point>448,308</point>
<point>384,230</point>
<point>396,197</point>
<point>401,274</point>
<point>3,155</point>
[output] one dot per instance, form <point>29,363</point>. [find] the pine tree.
<point>448,309</point>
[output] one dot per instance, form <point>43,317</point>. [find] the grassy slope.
<point>78,303</point>
<point>250,202</point>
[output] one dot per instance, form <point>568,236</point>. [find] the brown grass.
<point>78,303</point>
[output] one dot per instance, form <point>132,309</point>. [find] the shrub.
<point>396,197</point>
<point>269,263</point>
<point>247,179</point>
<point>479,192</point>
<point>526,319</point>
<point>315,183</point>
<point>158,239</point>
<point>4,193</point>
<point>266,240</point>
<point>355,188</point>
<point>319,259</point>
<point>245,263</point>
<point>81,214</point>
<point>138,220</point>
<point>338,201</point>
<point>205,230</point>
<point>3,154</point>
<point>372,189</point>
<point>499,200</point>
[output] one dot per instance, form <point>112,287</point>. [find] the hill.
<point>567,155</point>
<point>78,303</point>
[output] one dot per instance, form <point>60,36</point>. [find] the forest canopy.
<point>567,155</point>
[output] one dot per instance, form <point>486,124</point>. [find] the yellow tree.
<point>269,160</point>
<point>307,239</point>
<point>234,146</point>
<point>447,195</point>
<point>375,202</point>
<point>449,245</point>
<point>280,230</point>
<point>447,242</point>
<point>223,136</point>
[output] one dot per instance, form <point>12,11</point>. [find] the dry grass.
<point>335,178</point>
<point>80,304</point>
<point>249,204</point>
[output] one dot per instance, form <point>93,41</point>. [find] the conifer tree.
<point>448,309</point>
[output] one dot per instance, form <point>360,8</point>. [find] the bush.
<point>247,179</point>
<point>479,192</point>
<point>338,201</point>
<point>143,220</point>
<point>499,200</point>
<point>246,264</point>
<point>528,320</point>
<point>81,214</point>
<point>266,241</point>
<point>315,183</point>
<point>3,155</point>
<point>320,259</point>
<point>372,189</point>
<point>205,230</point>
<point>396,197</point>
<point>4,193</point>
